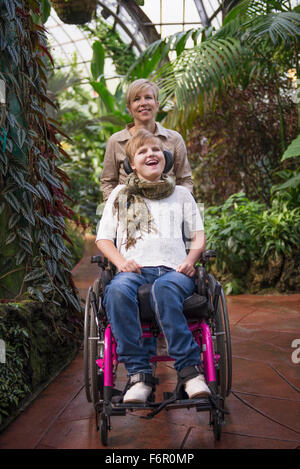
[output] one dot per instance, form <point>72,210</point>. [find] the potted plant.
<point>75,11</point>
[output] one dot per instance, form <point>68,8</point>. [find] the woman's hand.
<point>186,268</point>
<point>129,266</point>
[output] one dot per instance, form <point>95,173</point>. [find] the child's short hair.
<point>140,138</point>
<point>138,85</point>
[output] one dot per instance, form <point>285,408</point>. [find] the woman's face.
<point>149,162</point>
<point>144,106</point>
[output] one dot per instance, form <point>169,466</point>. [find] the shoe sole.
<point>200,394</point>
<point>134,401</point>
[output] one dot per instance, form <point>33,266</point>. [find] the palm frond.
<point>59,81</point>
<point>247,15</point>
<point>202,71</point>
<point>275,27</point>
<point>158,52</point>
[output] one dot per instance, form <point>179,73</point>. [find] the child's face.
<point>144,106</point>
<point>149,162</point>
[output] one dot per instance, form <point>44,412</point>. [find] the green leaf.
<point>17,176</point>
<point>52,179</point>
<point>14,55</point>
<point>44,191</point>
<point>26,246</point>
<point>36,293</point>
<point>11,237</point>
<point>10,7</point>
<point>181,41</point>
<point>292,182</point>
<point>72,300</point>
<point>105,96</point>
<point>98,59</point>
<point>30,187</point>
<point>13,201</point>
<point>200,72</point>
<point>21,135</point>
<point>3,157</point>
<point>46,8</point>
<point>48,220</point>
<point>293,149</point>
<point>51,266</point>
<point>38,109</point>
<point>20,257</point>
<point>279,27</point>
<point>28,214</point>
<point>34,275</point>
<point>25,234</point>
<point>13,220</point>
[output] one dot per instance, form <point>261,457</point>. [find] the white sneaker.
<point>197,387</point>
<point>139,392</point>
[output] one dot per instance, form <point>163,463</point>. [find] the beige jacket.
<point>113,172</point>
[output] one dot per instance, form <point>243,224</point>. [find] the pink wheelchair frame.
<point>210,359</point>
<point>212,334</point>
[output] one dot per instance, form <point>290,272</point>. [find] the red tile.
<point>264,406</point>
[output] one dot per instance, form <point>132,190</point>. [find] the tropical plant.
<point>89,112</point>
<point>237,145</point>
<point>34,258</point>
<point>289,190</point>
<point>112,113</point>
<point>258,39</point>
<point>248,234</point>
<point>226,232</point>
<point>121,54</point>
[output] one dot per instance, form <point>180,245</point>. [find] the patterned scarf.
<point>133,210</point>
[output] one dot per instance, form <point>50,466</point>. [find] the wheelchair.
<point>207,315</point>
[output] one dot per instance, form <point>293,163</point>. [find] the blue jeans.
<point>169,290</point>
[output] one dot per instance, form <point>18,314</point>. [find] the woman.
<point>142,103</point>
<point>145,217</point>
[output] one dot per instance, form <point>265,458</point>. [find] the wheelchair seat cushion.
<point>194,308</point>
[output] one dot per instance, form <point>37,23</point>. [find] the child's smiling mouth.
<point>151,162</point>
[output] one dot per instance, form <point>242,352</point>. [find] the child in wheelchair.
<point>141,233</point>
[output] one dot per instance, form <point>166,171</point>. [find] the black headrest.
<point>168,166</point>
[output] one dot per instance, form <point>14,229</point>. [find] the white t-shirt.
<point>172,216</point>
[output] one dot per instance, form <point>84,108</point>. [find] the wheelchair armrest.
<point>103,263</point>
<point>100,260</point>
<point>206,256</point>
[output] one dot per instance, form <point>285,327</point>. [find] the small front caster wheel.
<point>104,427</point>
<point>217,424</point>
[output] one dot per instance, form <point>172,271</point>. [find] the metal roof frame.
<point>133,24</point>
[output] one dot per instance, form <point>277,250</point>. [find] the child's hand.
<point>130,266</point>
<point>186,268</point>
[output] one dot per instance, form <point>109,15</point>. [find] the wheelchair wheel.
<point>95,351</point>
<point>222,341</point>
<point>87,322</point>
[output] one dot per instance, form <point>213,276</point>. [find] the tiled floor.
<point>264,404</point>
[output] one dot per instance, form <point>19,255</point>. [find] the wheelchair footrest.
<point>200,403</point>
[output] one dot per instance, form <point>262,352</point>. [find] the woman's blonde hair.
<point>139,139</point>
<point>139,85</point>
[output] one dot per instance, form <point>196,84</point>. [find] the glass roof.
<point>167,16</point>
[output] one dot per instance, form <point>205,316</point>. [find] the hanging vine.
<point>35,261</point>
